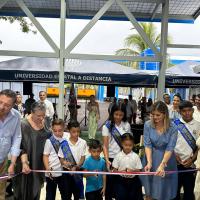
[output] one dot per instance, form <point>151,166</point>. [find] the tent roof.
<point>179,10</point>
<point>71,65</point>
<point>183,75</point>
<point>79,71</point>
<point>187,68</point>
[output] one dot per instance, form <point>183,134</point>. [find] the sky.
<point>104,38</point>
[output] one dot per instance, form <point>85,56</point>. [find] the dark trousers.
<point>52,186</point>
<point>94,195</point>
<point>72,187</point>
<point>110,185</point>
<point>187,181</point>
<point>128,188</point>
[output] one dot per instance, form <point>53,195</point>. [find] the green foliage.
<point>25,26</point>
<point>134,43</point>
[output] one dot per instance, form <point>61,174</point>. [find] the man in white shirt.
<point>186,151</point>
<point>196,114</point>
<point>49,107</point>
<point>133,105</point>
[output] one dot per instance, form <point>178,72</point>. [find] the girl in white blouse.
<point>127,186</point>
<point>116,126</point>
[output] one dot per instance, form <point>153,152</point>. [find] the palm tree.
<point>134,44</point>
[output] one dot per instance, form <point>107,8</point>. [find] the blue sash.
<point>55,143</point>
<point>78,178</point>
<point>67,152</point>
<point>114,133</point>
<point>186,134</point>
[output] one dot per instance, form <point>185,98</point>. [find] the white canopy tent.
<point>149,10</point>
<point>78,71</point>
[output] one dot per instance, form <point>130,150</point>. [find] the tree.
<point>26,26</point>
<point>134,44</point>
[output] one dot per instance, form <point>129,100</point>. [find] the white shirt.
<point>49,108</point>
<point>197,163</point>
<point>54,161</point>
<point>78,150</point>
<point>182,148</point>
<point>114,148</point>
<point>173,114</point>
<point>196,114</point>
<point>133,105</point>
<point>128,110</point>
<point>124,161</point>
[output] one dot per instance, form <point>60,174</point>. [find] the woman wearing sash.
<point>160,138</point>
<point>174,108</point>
<point>27,186</point>
<point>116,126</point>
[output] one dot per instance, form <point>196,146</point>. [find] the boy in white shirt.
<point>185,149</point>
<point>52,162</point>
<point>72,155</point>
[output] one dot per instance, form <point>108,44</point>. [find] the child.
<point>197,181</point>
<point>72,155</point>
<point>52,162</point>
<point>116,126</point>
<point>95,184</point>
<point>127,186</point>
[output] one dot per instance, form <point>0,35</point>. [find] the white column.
<point>163,49</point>
<point>62,59</point>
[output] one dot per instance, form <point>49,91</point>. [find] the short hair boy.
<point>95,184</point>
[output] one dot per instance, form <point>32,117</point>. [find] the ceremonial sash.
<point>55,143</point>
<point>114,133</point>
<point>69,157</point>
<point>186,134</point>
<point>67,152</point>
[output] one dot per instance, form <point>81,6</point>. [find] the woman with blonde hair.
<point>160,138</point>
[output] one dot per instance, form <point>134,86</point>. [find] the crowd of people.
<point>31,139</point>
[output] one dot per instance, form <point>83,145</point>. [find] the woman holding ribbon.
<point>34,135</point>
<point>160,138</point>
<point>116,126</point>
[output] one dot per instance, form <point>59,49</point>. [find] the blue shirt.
<point>94,183</point>
<point>10,135</point>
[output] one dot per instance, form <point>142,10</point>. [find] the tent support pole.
<point>163,49</point>
<point>62,60</point>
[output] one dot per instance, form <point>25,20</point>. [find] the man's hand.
<point>11,169</point>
